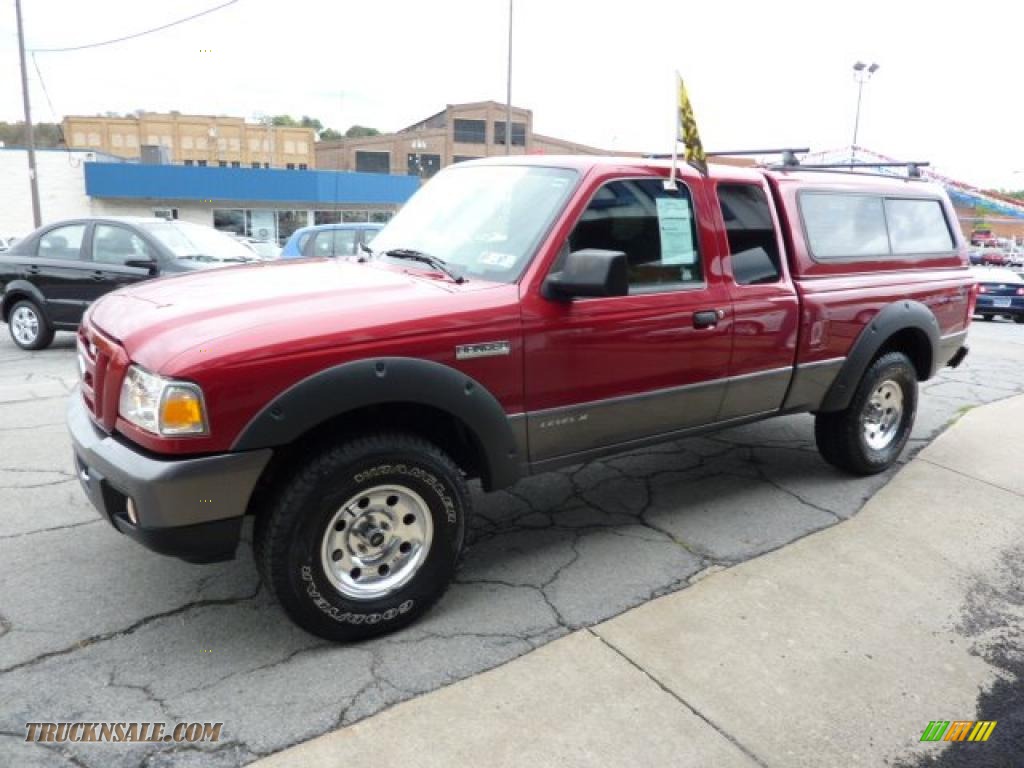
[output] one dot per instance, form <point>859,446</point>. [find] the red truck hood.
<point>265,308</point>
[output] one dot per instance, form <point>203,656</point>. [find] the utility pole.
<point>508,88</point>
<point>861,74</point>
<point>30,143</point>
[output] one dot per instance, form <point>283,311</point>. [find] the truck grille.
<point>101,363</point>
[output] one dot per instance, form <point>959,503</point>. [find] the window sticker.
<point>676,233</point>
<point>497,259</point>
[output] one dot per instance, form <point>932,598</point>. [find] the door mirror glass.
<point>590,272</point>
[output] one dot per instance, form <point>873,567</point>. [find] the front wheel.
<point>987,318</point>
<point>1019,319</point>
<point>869,435</point>
<point>365,537</point>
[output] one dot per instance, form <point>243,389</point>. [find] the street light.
<point>861,74</point>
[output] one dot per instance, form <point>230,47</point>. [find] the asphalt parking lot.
<point>94,628</point>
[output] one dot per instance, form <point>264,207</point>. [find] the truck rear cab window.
<point>848,226</point>
<point>653,226</point>
<point>753,246</point>
<point>917,226</point>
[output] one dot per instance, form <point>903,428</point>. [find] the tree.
<point>359,131</point>
<point>329,134</point>
<point>43,134</point>
<point>285,120</point>
<point>311,122</point>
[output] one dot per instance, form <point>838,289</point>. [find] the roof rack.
<point>789,154</point>
<point>913,167</point>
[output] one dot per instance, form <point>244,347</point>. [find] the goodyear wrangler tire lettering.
<point>329,524</point>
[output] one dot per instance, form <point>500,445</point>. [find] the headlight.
<point>162,406</point>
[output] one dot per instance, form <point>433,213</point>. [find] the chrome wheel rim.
<point>25,325</point>
<point>376,542</point>
<point>883,415</point>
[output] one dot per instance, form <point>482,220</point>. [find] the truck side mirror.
<point>590,272</point>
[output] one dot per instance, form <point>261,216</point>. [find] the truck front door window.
<point>654,227</point>
<point>753,246</point>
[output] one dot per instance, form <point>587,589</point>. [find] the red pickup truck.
<point>516,316</point>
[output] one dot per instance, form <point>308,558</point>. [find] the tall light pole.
<point>861,74</point>
<point>30,142</point>
<point>508,87</point>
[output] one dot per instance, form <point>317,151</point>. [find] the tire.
<point>887,396</point>
<point>1019,319</point>
<point>987,318</point>
<point>28,326</point>
<point>397,497</point>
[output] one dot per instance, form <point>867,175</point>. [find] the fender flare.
<point>18,288</point>
<point>382,380</point>
<point>892,319</point>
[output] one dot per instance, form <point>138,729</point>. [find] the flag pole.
<point>671,183</point>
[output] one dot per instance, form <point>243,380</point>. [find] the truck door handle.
<point>707,318</point>
<point>32,269</point>
<point>98,276</point>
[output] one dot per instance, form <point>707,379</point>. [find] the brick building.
<point>458,132</point>
<point>199,140</point>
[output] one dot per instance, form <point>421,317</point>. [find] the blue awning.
<point>271,185</point>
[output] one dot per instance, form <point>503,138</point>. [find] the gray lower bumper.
<point>189,508</point>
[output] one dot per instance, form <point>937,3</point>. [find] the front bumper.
<point>186,508</point>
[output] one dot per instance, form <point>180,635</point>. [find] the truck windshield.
<point>485,221</point>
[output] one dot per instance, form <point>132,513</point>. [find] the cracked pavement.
<point>95,628</point>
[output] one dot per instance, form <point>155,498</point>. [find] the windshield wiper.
<point>425,258</point>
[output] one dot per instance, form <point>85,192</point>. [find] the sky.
<point>760,74</point>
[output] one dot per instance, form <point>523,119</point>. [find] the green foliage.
<point>329,134</point>
<point>359,131</point>
<point>283,120</point>
<point>44,134</point>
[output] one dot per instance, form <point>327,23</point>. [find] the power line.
<point>46,93</point>
<point>137,34</point>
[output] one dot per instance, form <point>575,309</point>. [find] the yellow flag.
<point>694,153</point>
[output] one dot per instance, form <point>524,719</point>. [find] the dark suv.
<point>49,278</point>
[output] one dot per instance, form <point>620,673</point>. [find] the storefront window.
<point>326,217</point>
<point>288,222</point>
<point>381,217</point>
<point>356,217</point>
<point>229,220</point>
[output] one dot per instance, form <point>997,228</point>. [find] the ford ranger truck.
<point>518,315</point>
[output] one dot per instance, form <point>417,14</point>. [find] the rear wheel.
<point>987,318</point>
<point>1019,319</point>
<point>28,326</point>
<point>869,435</point>
<point>364,538</point>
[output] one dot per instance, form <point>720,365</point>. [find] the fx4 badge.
<point>484,349</point>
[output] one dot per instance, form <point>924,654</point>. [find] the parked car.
<point>50,277</point>
<point>264,249</point>
<point>329,240</point>
<point>519,315</point>
<point>1000,292</point>
<point>974,256</point>
<point>993,257</point>
<point>983,236</point>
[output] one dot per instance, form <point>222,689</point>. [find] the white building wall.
<point>61,188</point>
